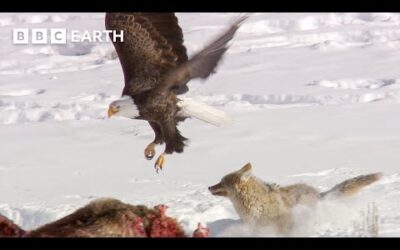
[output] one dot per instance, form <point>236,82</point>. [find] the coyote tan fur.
<point>264,204</point>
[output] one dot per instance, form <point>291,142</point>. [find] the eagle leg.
<point>160,162</point>
<point>174,142</point>
<point>149,151</point>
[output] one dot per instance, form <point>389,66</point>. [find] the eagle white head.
<point>124,107</point>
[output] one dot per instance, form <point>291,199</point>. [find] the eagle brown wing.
<point>152,46</point>
<point>204,63</point>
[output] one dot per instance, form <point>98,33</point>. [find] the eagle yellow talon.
<point>159,163</point>
<point>150,151</point>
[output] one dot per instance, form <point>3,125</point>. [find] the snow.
<point>314,97</point>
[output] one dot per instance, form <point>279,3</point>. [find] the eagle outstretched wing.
<point>152,46</point>
<point>203,63</point>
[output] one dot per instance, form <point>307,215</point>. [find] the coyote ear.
<point>245,172</point>
<point>247,168</point>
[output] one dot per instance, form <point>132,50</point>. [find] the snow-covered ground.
<point>314,98</point>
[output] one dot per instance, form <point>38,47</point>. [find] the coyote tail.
<point>352,186</point>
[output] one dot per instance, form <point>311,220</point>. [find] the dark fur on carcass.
<point>106,218</point>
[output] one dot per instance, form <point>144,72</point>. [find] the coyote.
<point>263,204</point>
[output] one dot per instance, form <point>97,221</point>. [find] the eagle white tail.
<point>202,111</point>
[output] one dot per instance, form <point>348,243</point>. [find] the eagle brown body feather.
<point>156,68</point>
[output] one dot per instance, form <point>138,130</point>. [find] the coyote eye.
<point>223,181</point>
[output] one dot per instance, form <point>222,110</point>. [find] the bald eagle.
<point>156,71</point>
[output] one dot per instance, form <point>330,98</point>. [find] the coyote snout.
<point>265,204</point>
<point>218,190</point>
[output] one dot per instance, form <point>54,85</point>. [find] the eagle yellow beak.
<point>112,110</point>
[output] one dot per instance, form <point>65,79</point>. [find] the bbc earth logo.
<point>62,36</point>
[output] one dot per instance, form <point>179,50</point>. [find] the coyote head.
<point>231,182</point>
